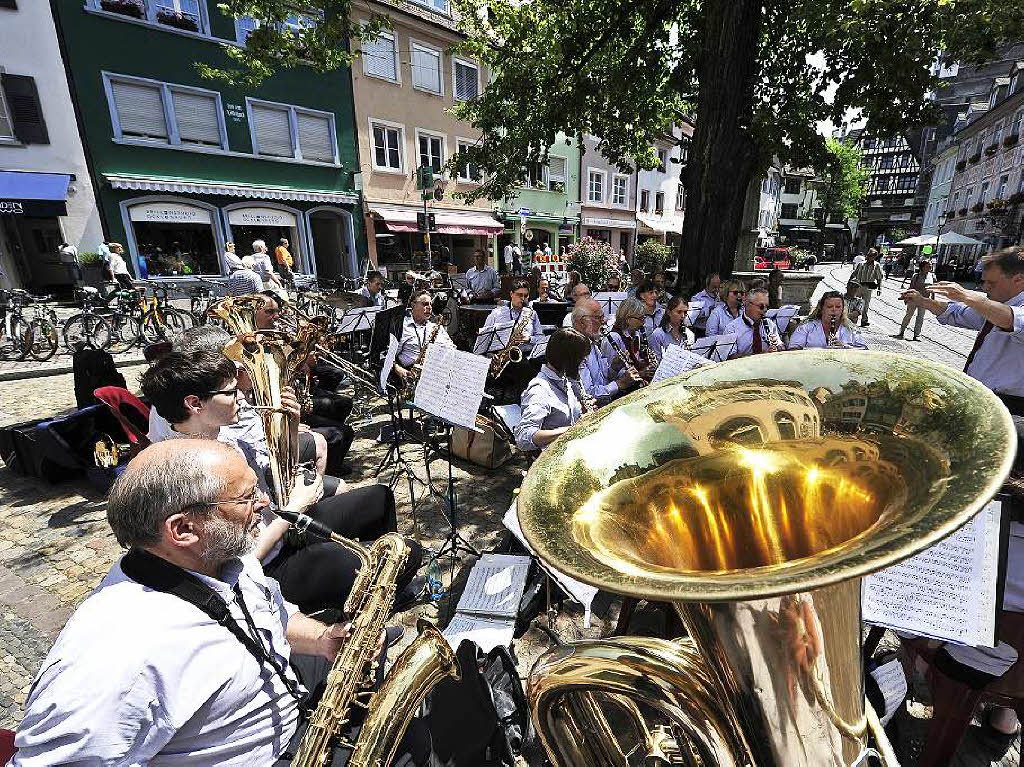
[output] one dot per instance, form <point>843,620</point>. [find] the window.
<point>280,130</point>
<point>681,199</point>
<point>556,173</point>
<point>316,135</point>
<point>272,131</point>
<point>468,172</point>
<point>620,190</point>
<point>380,57</point>
<point>983,195</point>
<point>789,210</point>
<point>426,69</point>
<point>6,123</point>
<point>1001,191</point>
<point>162,113</point>
<point>173,238</point>
<point>645,200</point>
<point>662,160</point>
<point>245,26</point>
<point>437,5</point>
<point>465,79</point>
<point>387,146</point>
<point>21,114</point>
<point>659,203</point>
<point>181,14</point>
<point>431,150</point>
<point>792,186</point>
<point>968,194</point>
<point>536,175</point>
<point>595,185</point>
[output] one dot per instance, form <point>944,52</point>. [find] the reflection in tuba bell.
<point>746,495</point>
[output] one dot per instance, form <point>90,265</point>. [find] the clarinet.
<point>833,332</point>
<point>770,334</point>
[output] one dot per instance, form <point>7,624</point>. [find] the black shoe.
<point>409,595</point>
<point>899,336</point>
<point>864,324</point>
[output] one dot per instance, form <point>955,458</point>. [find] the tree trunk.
<point>723,154</point>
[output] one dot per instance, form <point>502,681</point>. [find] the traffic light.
<point>425,222</point>
<point>424,177</point>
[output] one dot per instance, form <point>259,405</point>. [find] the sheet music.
<point>693,312</point>
<point>495,586</point>
<point>389,361</point>
<point>892,683</point>
<point>715,348</point>
<point>487,633</point>
<point>451,386</point>
<point>510,415</point>
<point>493,338</point>
<point>358,319</point>
<point>677,360</point>
<point>945,592</point>
<point>582,592</point>
<point>782,316</point>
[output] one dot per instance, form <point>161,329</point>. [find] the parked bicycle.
<point>21,337</point>
<point>88,328</point>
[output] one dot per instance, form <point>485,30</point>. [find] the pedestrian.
<point>506,257</point>
<point>859,259</point>
<point>869,276</point>
<point>262,265</point>
<point>118,268</point>
<point>283,261</point>
<point>887,266</point>
<point>854,303</point>
<point>775,278</point>
<point>517,259</point>
<point>978,266</point>
<point>69,257</point>
<point>922,278</point>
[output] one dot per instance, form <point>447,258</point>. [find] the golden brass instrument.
<point>750,496</point>
<point>238,313</point>
<point>513,353</point>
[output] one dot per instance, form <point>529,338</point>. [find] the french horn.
<point>753,495</point>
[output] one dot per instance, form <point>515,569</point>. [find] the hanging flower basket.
<point>974,158</point>
<point>177,20</point>
<point>1011,140</point>
<point>996,204</point>
<point>124,7</point>
<point>962,212</point>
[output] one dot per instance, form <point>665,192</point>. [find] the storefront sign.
<point>262,217</point>
<point>169,213</point>
<point>610,223</point>
<point>12,207</point>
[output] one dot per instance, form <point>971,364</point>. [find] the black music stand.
<point>715,348</point>
<point>493,338</point>
<point>394,459</point>
<point>610,301</point>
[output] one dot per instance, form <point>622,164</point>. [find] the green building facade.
<point>184,165</point>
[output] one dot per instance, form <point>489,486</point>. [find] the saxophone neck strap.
<point>160,575</point>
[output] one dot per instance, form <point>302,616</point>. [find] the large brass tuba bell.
<point>753,495</point>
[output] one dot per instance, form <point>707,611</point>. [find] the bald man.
<point>141,674</point>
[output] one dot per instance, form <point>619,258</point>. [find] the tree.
<point>845,188</point>
<point>651,256</point>
<point>593,260</point>
<point>757,75</point>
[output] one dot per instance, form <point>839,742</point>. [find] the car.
<point>767,258</point>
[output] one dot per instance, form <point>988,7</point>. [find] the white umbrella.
<point>954,238</point>
<point>917,240</point>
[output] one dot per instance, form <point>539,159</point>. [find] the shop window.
<point>620,190</point>
<point>387,143</point>
<point>173,239</point>
<point>431,150</point>
<point>465,79</point>
<point>380,57</point>
<point>468,172</point>
<point>426,69</point>
<point>595,185</point>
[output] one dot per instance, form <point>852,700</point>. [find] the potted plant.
<point>177,20</point>
<point>92,268</point>
<point>651,256</point>
<point>962,212</point>
<point>558,186</point>
<point>974,158</point>
<point>1011,140</point>
<point>593,259</point>
<point>124,7</point>
<point>991,149</point>
<point>996,204</point>
<point>961,165</point>
<point>977,207</point>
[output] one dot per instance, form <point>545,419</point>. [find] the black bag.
<point>93,368</point>
<point>482,720</point>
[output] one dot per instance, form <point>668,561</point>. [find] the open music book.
<point>677,360</point>
<point>489,604</point>
<point>946,592</point>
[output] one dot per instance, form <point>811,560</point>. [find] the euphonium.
<point>238,312</point>
<point>747,495</point>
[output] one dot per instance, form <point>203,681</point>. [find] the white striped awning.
<point>150,184</point>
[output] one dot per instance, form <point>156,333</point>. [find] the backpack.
<point>93,368</point>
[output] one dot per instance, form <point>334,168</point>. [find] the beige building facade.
<point>405,83</point>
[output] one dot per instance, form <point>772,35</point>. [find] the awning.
<point>403,219</point>
<point>33,194</point>
<point>661,224</point>
<point>225,189</point>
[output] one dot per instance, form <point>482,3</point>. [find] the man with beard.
<point>142,674</point>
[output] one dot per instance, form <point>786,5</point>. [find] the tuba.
<point>238,313</point>
<point>748,495</point>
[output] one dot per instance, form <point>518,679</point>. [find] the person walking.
<point>922,278</point>
<point>869,276</point>
<point>506,258</point>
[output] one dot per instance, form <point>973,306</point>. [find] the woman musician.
<point>827,327</point>
<point>672,331</point>
<point>647,294</point>
<point>552,400</point>
<point>628,338</point>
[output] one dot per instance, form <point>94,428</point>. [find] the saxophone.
<point>833,332</point>
<point>408,388</point>
<point>512,351</point>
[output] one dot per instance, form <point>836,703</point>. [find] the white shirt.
<point>720,319</point>
<point>262,266</point>
<point>549,402</point>
<point>117,265</point>
<point>596,376</point>
<point>142,677</point>
<point>378,300</point>
<point>507,254</point>
<point>708,301</point>
<point>481,280</point>
<point>744,328</point>
<point>414,336</point>
<point>811,335</point>
<point>1000,359</point>
<point>661,339</point>
<point>243,282</point>
<point>508,314</point>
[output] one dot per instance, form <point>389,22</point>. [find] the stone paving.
<point>55,544</point>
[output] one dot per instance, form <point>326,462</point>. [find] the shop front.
<point>185,234</point>
<point>619,233</point>
<point>31,208</point>
<point>397,242</point>
<point>666,229</point>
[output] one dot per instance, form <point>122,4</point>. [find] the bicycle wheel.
<point>124,333</point>
<point>88,330</point>
<point>160,326</point>
<point>21,336</point>
<point>44,340</point>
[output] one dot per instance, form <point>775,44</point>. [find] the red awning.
<point>403,219</point>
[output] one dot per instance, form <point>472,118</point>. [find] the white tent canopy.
<point>916,240</point>
<point>954,238</point>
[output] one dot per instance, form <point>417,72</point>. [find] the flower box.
<point>558,186</point>
<point>1016,198</point>
<point>977,207</point>
<point>991,149</point>
<point>961,165</point>
<point>178,21</point>
<point>1011,140</point>
<point>996,204</point>
<point>124,7</point>
<point>962,212</point>
<point>974,158</point>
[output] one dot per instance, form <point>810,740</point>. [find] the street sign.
<point>424,177</point>
<point>524,211</point>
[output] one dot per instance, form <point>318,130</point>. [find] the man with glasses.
<point>417,332</point>
<point>749,329</point>
<point>595,372</point>
<point>142,673</point>
<point>579,292</point>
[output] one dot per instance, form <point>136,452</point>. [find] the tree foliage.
<point>847,180</point>
<point>651,256</point>
<point>593,260</point>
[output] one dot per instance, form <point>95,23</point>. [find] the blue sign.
<point>524,211</point>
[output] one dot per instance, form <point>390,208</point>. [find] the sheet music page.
<point>510,415</point>
<point>389,361</point>
<point>892,683</point>
<point>583,593</point>
<point>677,360</point>
<point>782,316</point>
<point>495,586</point>
<point>493,338</point>
<point>488,633</point>
<point>539,349</point>
<point>452,384</point>
<point>945,592</point>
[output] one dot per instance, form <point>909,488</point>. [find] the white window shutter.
<point>556,168</point>
<point>379,57</point>
<point>273,131</point>
<point>140,109</point>
<point>197,117</point>
<point>315,139</point>
<point>466,86</point>
<point>426,69</point>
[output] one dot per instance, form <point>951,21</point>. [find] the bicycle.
<point>159,321</point>
<point>21,338</point>
<point>87,328</point>
<point>42,329</point>
<point>13,330</point>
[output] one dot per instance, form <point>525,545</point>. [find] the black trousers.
<point>318,575</point>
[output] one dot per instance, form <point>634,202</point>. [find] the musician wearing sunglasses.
<point>197,393</point>
<point>753,334</point>
<point>732,293</point>
<point>596,371</point>
<point>647,294</point>
<point>827,327</point>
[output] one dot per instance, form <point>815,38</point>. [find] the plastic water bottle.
<point>435,583</point>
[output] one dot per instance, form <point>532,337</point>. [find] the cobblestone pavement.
<point>55,544</point>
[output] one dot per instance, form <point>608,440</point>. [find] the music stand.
<point>493,338</point>
<point>715,348</point>
<point>356,320</point>
<point>610,302</point>
<point>782,316</point>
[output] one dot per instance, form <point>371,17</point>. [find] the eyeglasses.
<point>255,497</point>
<point>737,292</point>
<point>230,392</point>
<point>762,307</point>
